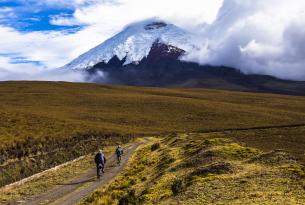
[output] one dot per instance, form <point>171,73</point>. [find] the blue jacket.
<point>119,152</point>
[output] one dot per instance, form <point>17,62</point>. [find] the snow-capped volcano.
<point>134,43</point>
<point>149,53</point>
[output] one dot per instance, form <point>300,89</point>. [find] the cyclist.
<point>119,152</point>
<point>100,161</point>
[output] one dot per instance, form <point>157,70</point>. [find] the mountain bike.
<point>119,158</point>
<point>100,171</point>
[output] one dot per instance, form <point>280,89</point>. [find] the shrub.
<point>177,186</point>
<point>219,168</point>
<point>124,201</point>
<point>155,146</point>
<point>130,198</point>
<point>297,169</point>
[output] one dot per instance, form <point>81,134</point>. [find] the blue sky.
<point>27,29</point>
<point>27,16</point>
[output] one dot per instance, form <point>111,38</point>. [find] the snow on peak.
<point>133,44</point>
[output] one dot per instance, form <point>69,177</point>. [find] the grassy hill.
<point>38,119</point>
<point>205,169</point>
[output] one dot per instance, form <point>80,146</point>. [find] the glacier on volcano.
<point>134,43</point>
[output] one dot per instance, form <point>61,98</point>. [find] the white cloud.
<point>32,71</point>
<point>122,12</point>
<point>6,13</point>
<point>63,20</point>
<point>262,37</point>
<point>51,49</point>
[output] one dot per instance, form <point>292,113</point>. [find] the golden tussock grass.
<point>59,110</point>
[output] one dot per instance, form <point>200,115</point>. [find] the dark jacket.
<point>100,159</point>
<point>119,151</point>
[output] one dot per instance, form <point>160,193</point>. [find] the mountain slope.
<point>133,44</point>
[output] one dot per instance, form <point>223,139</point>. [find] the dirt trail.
<point>251,128</point>
<point>73,191</point>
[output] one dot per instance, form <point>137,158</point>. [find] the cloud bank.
<point>261,36</point>
<point>258,37</point>
<point>34,71</point>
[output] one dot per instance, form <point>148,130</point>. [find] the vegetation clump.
<point>155,146</point>
<point>276,157</point>
<point>299,170</point>
<point>237,151</point>
<point>129,199</point>
<point>177,186</point>
<point>215,141</point>
<point>219,168</point>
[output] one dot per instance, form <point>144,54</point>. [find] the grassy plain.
<point>60,110</point>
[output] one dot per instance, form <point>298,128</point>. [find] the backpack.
<point>119,151</point>
<point>100,158</point>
